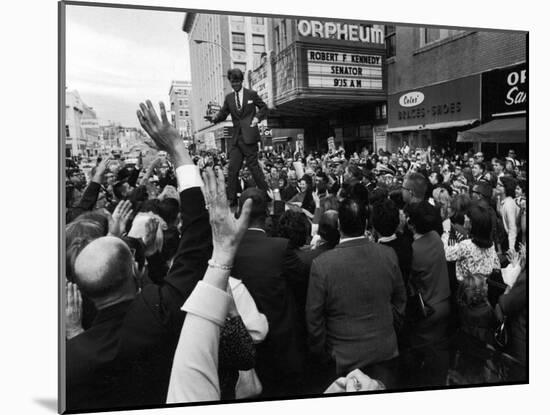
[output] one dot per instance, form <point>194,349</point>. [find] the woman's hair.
<point>78,234</point>
<point>509,184</point>
<point>481,222</point>
<point>459,206</point>
<point>523,185</point>
<point>295,227</point>
<point>473,290</point>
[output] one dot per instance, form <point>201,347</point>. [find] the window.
<point>430,35</point>
<point>277,40</point>
<point>390,41</point>
<point>181,113</point>
<point>283,34</point>
<point>67,134</point>
<point>172,106</point>
<point>241,66</point>
<point>180,102</point>
<point>257,20</point>
<point>185,102</point>
<point>185,92</point>
<point>238,41</point>
<point>186,113</point>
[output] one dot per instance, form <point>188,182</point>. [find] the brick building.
<point>437,84</point>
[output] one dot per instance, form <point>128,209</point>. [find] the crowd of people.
<point>320,284</point>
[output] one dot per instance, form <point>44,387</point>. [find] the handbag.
<point>501,335</point>
<point>417,308</point>
<point>248,385</point>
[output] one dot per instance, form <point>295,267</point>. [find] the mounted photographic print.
<point>262,207</point>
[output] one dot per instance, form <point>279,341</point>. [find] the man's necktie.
<point>238,101</point>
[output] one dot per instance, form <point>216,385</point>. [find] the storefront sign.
<point>89,123</point>
<point>504,91</point>
<point>341,31</point>
<point>344,70</point>
<point>451,101</point>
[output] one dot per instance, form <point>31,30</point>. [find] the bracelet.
<point>213,264</point>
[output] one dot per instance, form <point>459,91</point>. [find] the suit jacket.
<point>242,119</point>
<point>352,291</point>
<point>125,358</point>
<point>267,267</point>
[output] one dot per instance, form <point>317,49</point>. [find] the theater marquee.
<point>344,70</point>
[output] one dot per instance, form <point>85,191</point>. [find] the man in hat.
<point>246,109</point>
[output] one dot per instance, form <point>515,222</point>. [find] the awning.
<point>435,126</point>
<point>276,140</point>
<point>505,130</point>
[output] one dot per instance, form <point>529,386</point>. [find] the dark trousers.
<point>241,151</point>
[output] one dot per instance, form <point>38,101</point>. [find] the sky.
<point>116,58</point>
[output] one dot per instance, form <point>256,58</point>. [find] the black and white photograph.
<point>269,207</point>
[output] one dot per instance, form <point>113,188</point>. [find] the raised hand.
<point>227,231</point>
<point>165,136</point>
<point>316,199</point>
<point>73,311</point>
<point>120,217</point>
<point>100,170</point>
<point>145,227</point>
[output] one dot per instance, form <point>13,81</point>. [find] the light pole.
<point>199,41</point>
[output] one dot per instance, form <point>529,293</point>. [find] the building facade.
<point>180,108</point>
<point>82,131</point>
<point>327,81</point>
<point>441,83</point>
<point>216,43</point>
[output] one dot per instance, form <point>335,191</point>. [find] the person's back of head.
<point>385,217</point>
<point>417,185</point>
<point>352,218</point>
<point>481,224</point>
<point>295,227</point>
<point>169,210</point>
<point>422,216</point>
<point>258,211</point>
<point>379,194</point>
<point>104,271</point>
<point>150,205</point>
<point>328,227</point>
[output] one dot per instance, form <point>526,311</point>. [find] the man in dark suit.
<point>242,104</point>
<point>125,358</point>
<point>268,267</point>
<point>352,291</point>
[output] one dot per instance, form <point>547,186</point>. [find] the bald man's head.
<point>104,269</point>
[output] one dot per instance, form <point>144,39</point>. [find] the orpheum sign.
<point>504,91</point>
<point>341,31</point>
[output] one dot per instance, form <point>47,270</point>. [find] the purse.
<point>501,335</point>
<point>417,308</point>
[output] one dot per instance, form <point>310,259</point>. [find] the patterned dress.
<point>470,258</point>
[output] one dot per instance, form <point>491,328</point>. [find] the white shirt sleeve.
<point>194,375</point>
<point>254,321</point>
<point>188,176</point>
